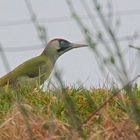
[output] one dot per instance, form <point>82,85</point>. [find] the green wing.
<point>29,68</point>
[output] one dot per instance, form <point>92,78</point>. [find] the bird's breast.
<point>45,71</point>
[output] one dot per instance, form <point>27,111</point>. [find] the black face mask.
<point>63,45</point>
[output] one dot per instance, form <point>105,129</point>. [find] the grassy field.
<point>68,114</point>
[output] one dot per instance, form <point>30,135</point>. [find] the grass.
<point>59,114</point>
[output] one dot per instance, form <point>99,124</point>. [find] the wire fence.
<point>28,47</point>
<point>13,49</point>
<point>132,12</point>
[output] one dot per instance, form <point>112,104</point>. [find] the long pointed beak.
<point>75,45</point>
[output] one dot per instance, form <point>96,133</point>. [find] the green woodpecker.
<point>39,67</point>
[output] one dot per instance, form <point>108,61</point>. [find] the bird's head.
<point>57,47</point>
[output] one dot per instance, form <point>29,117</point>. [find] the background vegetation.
<point>75,112</point>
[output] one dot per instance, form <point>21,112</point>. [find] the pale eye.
<point>62,43</point>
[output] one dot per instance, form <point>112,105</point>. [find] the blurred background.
<point>19,38</point>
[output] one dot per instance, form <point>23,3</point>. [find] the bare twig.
<point>131,46</point>
<point>4,58</point>
<point>41,30</point>
<point>113,37</point>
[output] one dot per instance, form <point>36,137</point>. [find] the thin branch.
<point>112,36</point>
<point>41,31</point>
<point>137,48</point>
<point>4,58</point>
